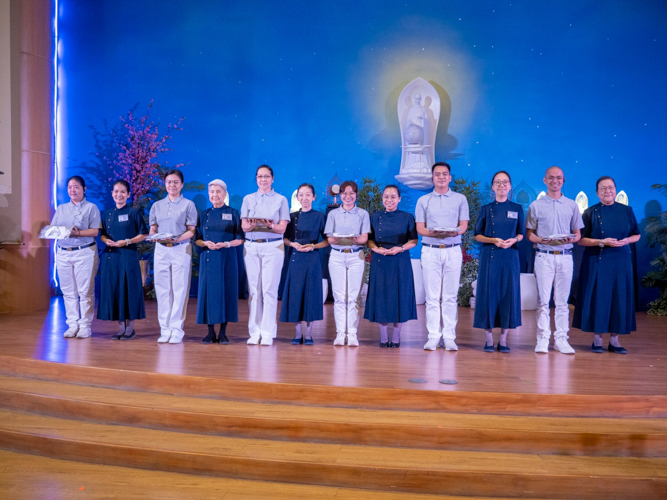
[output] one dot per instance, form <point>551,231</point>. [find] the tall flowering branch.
<point>137,151</point>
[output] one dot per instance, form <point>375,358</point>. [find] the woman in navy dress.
<point>302,293</point>
<point>218,232</point>
<point>391,291</point>
<point>499,228</point>
<point>606,297</point>
<point>122,292</point>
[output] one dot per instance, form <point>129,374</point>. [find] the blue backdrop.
<point>311,88</point>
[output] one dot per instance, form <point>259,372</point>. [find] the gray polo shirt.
<point>341,221</point>
<point>173,216</point>
<point>442,210</point>
<point>548,216</point>
<point>84,215</point>
<point>269,205</point>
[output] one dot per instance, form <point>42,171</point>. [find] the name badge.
<point>123,218</point>
<point>226,216</point>
<point>512,215</point>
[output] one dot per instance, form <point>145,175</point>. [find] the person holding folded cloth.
<point>391,291</point>
<point>553,225</point>
<point>122,293</point>
<point>172,265</point>
<point>347,231</point>
<point>218,234</point>
<point>442,217</point>
<point>264,218</point>
<point>302,292</point>
<point>499,228</point>
<point>76,258</point>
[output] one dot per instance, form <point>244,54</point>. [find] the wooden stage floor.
<point>642,372</point>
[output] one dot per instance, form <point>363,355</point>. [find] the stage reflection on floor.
<point>642,371</point>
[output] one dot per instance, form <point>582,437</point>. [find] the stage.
<point>517,425</point>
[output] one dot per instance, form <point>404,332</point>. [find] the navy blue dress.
<point>606,297</point>
<point>391,290</point>
<point>498,297</point>
<point>121,290</point>
<point>302,293</point>
<point>217,301</point>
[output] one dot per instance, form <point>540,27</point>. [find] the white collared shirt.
<point>548,217</point>
<point>340,221</point>
<point>442,210</point>
<point>271,205</point>
<point>84,215</point>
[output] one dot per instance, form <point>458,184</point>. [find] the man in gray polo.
<point>551,219</point>
<point>441,216</point>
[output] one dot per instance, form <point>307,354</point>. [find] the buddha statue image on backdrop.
<point>418,114</point>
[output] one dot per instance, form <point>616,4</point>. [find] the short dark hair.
<point>392,186</point>
<point>501,172</point>
<point>597,184</point>
<point>78,179</point>
<point>441,164</point>
<point>306,185</point>
<point>266,167</point>
<point>123,182</point>
<point>175,172</point>
<point>352,184</point>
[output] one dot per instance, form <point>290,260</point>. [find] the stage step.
<point>406,429</point>
<point>368,467</point>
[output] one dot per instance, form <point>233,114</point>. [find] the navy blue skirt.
<point>391,290</point>
<point>218,299</point>
<point>302,293</point>
<point>498,297</point>
<point>121,291</point>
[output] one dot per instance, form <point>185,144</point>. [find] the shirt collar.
<point>549,199</point>
<point>81,204</point>
<point>270,193</point>
<point>351,211</point>
<point>176,201</point>
<point>447,194</point>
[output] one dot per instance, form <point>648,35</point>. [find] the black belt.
<point>567,251</point>
<point>174,244</point>
<point>264,240</point>
<point>442,246</point>
<point>74,249</point>
<point>346,250</point>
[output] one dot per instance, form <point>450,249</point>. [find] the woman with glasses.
<point>606,296</point>
<point>122,293</point>
<point>499,228</point>
<point>391,291</point>
<point>264,218</point>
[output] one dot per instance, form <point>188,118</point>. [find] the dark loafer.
<point>503,348</point>
<point>384,344</point>
<point>394,344</point>
<point>308,341</point>
<point>223,339</point>
<point>297,341</point>
<point>117,336</point>
<point>489,348</point>
<point>617,350</point>
<point>596,348</point>
<point>127,336</point>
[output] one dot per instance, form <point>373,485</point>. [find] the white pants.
<point>442,276</point>
<point>553,271</point>
<point>76,274</point>
<point>347,276</point>
<point>172,269</point>
<point>263,266</point>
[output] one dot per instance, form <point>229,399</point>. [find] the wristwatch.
<point>601,244</point>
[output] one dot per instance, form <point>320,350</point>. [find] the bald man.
<point>551,215</point>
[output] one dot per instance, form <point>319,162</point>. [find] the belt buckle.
<point>69,249</point>
<point>557,252</point>
<point>347,250</point>
<point>169,245</point>
<point>442,246</point>
<point>261,240</point>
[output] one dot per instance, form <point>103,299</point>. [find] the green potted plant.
<point>656,234</point>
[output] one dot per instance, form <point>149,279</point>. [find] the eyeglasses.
<point>263,176</point>
<point>501,183</point>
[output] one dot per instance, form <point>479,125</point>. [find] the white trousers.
<point>553,271</point>
<point>263,266</point>
<point>442,276</point>
<point>172,267</point>
<point>76,274</point>
<point>347,277</point>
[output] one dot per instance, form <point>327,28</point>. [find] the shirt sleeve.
<point>588,226</point>
<point>323,234</point>
<point>330,224</point>
<point>244,207</point>
<point>105,229</point>
<point>94,220</point>
<point>371,234</point>
<point>464,210</point>
<point>577,222</point>
<point>531,219</point>
<point>365,223</point>
<point>152,215</point>
<point>140,223</point>
<point>191,215</point>
<point>236,218</point>
<point>290,232</point>
<point>284,209</point>
<point>520,227</point>
<point>634,228</point>
<point>199,231</point>
<point>420,211</point>
<point>54,219</point>
<point>412,228</point>
<point>480,224</point>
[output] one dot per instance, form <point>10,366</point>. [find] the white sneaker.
<point>267,341</point>
<point>164,337</point>
<point>431,345</point>
<point>450,345</point>
<point>352,340</point>
<point>175,340</point>
<point>542,345</point>
<point>253,340</point>
<point>71,332</point>
<point>340,339</point>
<point>83,334</point>
<point>563,346</point>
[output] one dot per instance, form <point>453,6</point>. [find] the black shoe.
<point>490,348</point>
<point>394,344</point>
<point>308,341</point>
<point>128,337</point>
<point>596,348</point>
<point>117,336</point>
<point>617,350</point>
<point>384,344</point>
<point>222,339</point>
<point>209,339</point>
<point>503,348</point>
<point>297,341</point>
